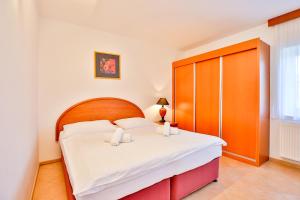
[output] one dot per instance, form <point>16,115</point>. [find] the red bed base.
<point>186,183</point>
<point>173,188</point>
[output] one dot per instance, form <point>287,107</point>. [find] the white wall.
<point>263,32</point>
<point>267,35</point>
<point>66,74</point>
<point>18,98</point>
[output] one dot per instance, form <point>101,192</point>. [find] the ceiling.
<point>180,24</point>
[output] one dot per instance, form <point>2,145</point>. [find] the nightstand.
<point>172,124</point>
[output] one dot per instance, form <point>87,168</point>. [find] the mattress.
<point>98,170</point>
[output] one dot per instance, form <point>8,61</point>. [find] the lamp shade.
<point>162,101</point>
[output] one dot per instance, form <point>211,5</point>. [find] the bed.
<point>151,167</point>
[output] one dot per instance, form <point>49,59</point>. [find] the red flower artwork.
<point>108,66</point>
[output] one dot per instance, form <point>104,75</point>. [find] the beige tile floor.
<point>237,181</point>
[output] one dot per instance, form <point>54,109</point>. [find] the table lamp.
<point>162,111</point>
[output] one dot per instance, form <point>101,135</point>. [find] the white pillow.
<point>133,122</point>
<point>89,127</point>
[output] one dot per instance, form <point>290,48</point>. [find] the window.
<point>290,82</point>
<point>285,72</point>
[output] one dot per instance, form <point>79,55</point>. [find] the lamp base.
<point>162,120</point>
<point>162,113</point>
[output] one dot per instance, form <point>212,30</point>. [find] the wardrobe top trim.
<point>243,46</point>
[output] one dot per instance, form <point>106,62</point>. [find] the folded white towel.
<point>163,129</point>
<point>174,131</point>
<point>126,138</point>
<point>117,137</point>
<point>166,129</point>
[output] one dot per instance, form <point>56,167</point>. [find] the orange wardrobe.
<point>225,93</point>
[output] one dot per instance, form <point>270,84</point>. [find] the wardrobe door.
<point>207,96</point>
<point>184,96</point>
<point>240,103</point>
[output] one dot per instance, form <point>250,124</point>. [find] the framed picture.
<point>107,65</point>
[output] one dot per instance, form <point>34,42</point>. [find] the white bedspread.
<point>94,165</point>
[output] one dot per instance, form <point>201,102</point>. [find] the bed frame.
<point>98,109</point>
<point>112,109</point>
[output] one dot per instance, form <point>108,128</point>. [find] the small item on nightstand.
<point>162,111</point>
<point>173,124</point>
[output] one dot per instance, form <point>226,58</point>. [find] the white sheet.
<point>97,168</point>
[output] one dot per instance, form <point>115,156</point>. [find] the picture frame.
<point>107,65</point>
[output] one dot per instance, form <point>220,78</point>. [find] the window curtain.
<point>285,72</point>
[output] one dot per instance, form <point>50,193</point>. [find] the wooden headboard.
<point>97,109</point>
